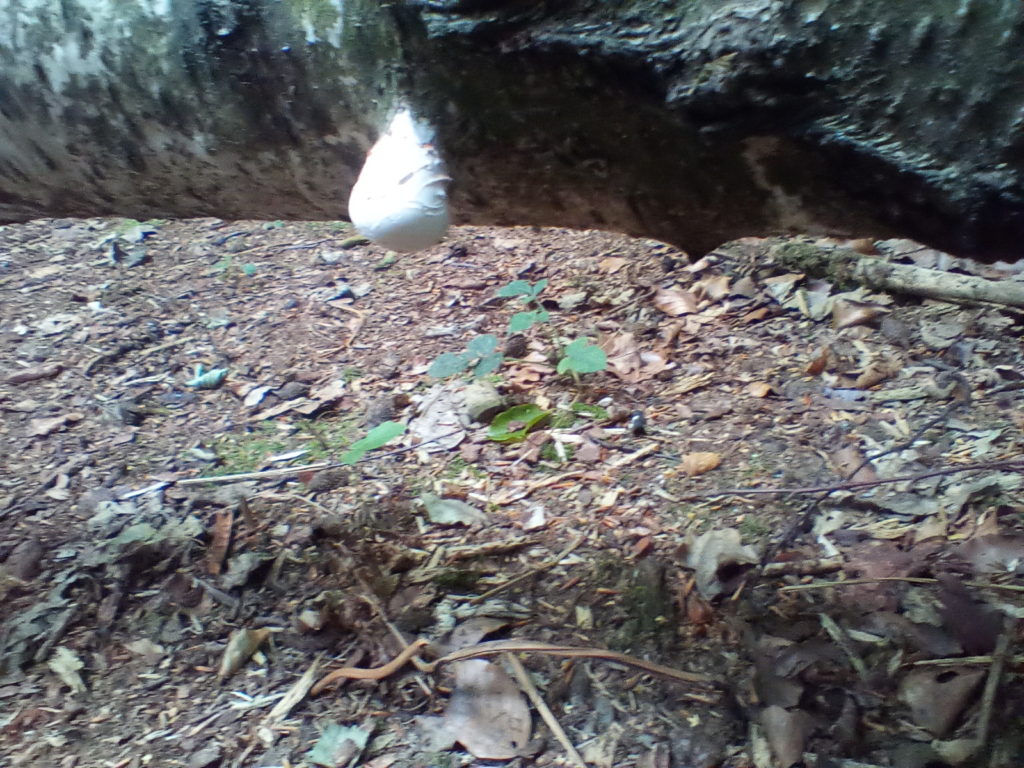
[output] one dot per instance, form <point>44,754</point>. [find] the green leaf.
<point>515,288</point>
<point>522,321</point>
<point>488,364</point>
<point>448,364</point>
<point>249,269</point>
<point>481,346</point>
<point>514,424</point>
<point>537,287</point>
<point>375,438</point>
<point>583,357</point>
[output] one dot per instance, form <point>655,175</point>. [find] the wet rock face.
<point>701,124</point>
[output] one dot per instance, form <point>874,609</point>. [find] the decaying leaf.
<point>719,559</point>
<point>66,665</point>
<point>487,714</point>
<point>937,697</point>
<point>994,554</point>
<point>877,371</point>
<point>612,264</point>
<point>787,734</point>
<point>846,313</point>
<point>675,301</point>
<point>848,459</point>
<point>451,511</point>
<point>339,745</point>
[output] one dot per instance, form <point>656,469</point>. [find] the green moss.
<point>248,452</point>
<point>457,579</point>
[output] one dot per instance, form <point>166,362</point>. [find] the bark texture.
<point>233,108</point>
<point>693,121</point>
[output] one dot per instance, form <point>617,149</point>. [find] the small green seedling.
<point>375,438</point>
<point>582,357</point>
<point>481,349</point>
<point>528,292</point>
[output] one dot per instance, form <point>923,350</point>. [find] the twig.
<point>532,572</point>
<point>907,579</point>
<point>1009,464</point>
<point>995,673</point>
<point>959,661</point>
<point>542,708</point>
<point>839,636</point>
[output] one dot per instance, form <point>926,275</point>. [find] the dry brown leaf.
<point>487,714</point>
<point>849,458</point>
<point>755,315</point>
<point>759,389</point>
<point>877,371</point>
<point>220,539</point>
<point>623,355</point>
<point>675,301</point>
<point>612,264</point>
<point>712,287</point>
<point>700,462</point>
<point>846,313</point>
<point>818,364</point>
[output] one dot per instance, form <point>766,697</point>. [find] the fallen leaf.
<point>46,426</point>
<point>719,559</point>
<point>339,745</point>
<point>451,511</point>
<point>240,648</point>
<point>612,264</point>
<point>34,374</point>
<point>675,301</point>
<point>486,713</point>
<point>700,462</point>
<point>937,697</point>
<point>759,389</point>
<point>846,313</point>
<point>787,734</point>
<point>66,666</point>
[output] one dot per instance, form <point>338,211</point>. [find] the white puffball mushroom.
<point>400,200</point>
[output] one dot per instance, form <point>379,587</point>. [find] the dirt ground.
<point>802,500</point>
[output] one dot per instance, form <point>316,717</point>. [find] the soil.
<point>683,498</point>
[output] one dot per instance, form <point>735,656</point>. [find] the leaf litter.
<point>847,460</point>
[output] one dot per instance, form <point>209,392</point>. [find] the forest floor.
<point>804,502</point>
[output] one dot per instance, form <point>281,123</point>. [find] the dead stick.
<point>542,708</point>
<point>533,571</point>
<point>995,673</point>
